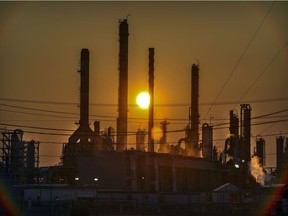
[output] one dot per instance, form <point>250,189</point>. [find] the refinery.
<point>98,174</point>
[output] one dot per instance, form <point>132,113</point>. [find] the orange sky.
<point>40,44</point>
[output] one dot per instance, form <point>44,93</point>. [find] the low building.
<point>150,172</point>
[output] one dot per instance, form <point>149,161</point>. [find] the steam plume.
<point>256,170</point>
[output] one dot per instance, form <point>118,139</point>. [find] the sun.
<point>143,100</point>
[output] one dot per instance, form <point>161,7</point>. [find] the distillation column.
<point>123,87</point>
<point>83,132</point>
<point>151,107</point>
<point>192,132</point>
<point>246,131</point>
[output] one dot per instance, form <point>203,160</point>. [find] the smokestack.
<point>123,87</point>
<point>245,130</point>
<point>151,107</point>
<point>193,135</point>
<point>234,124</point>
<point>84,89</point>
<point>83,132</point>
<point>260,150</point>
<point>279,153</point>
<point>140,140</point>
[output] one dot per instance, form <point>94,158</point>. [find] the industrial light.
<point>95,179</point>
<point>76,178</point>
<point>237,166</point>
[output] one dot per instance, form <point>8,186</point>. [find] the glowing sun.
<point>143,100</point>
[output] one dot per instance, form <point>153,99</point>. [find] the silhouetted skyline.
<point>40,44</point>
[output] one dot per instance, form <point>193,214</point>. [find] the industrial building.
<point>19,158</point>
<point>177,170</point>
<point>101,163</point>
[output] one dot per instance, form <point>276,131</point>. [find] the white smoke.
<point>256,170</point>
<point>230,136</point>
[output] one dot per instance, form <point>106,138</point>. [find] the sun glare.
<point>143,100</point>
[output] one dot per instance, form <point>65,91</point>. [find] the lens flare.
<point>157,133</point>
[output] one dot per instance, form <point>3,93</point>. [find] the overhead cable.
<point>239,60</point>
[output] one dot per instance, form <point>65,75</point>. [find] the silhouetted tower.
<point>192,131</point>
<point>83,133</point>
<point>234,124</point>
<point>151,107</point>
<point>31,154</point>
<point>84,91</point>
<point>163,126</point>
<point>17,157</point>
<point>140,140</point>
<point>279,153</point>
<point>260,150</point>
<point>246,131</point>
<point>163,146</point>
<point>207,141</point>
<point>123,87</point>
<point>32,160</point>
<point>111,134</point>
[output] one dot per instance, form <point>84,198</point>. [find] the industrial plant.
<point>99,175</point>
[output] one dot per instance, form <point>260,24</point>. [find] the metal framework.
<point>19,159</point>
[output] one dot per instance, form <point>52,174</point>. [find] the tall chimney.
<point>234,124</point>
<point>83,132</point>
<point>151,107</point>
<point>279,154</point>
<point>245,131</point>
<point>123,87</point>
<point>84,89</point>
<point>194,110</point>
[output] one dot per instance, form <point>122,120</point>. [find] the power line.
<point>261,116</point>
<point>38,101</point>
<point>34,132</point>
<point>75,119</point>
<point>269,135</point>
<point>37,114</point>
<point>268,100</point>
<point>41,110</point>
<point>259,76</point>
<point>53,111</point>
<point>239,60</point>
<point>156,105</point>
<point>57,134</point>
<point>270,126</point>
<point>269,122</point>
<point>114,117</point>
<point>215,127</point>
<point>267,67</point>
<point>267,128</point>
<point>128,133</point>
<point>253,83</point>
<point>33,120</point>
<point>38,128</point>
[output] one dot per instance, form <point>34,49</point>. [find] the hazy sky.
<point>40,44</point>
